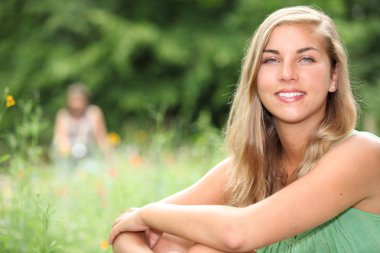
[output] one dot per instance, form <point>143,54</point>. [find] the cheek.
<point>263,93</point>
<point>260,80</point>
<point>264,81</point>
<point>322,77</point>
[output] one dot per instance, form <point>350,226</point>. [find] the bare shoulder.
<point>367,148</point>
<point>350,174</point>
<point>367,137</point>
<point>356,163</point>
<point>62,114</point>
<point>94,109</point>
<point>95,112</point>
<point>355,159</point>
<point>364,144</point>
<point>221,170</point>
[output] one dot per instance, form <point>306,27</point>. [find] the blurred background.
<point>163,73</point>
<point>177,58</point>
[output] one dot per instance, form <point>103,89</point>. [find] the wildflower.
<point>135,160</point>
<point>104,244</point>
<point>112,172</point>
<point>169,159</point>
<point>114,138</point>
<point>62,191</point>
<point>21,174</point>
<point>10,101</point>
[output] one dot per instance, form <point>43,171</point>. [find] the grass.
<point>50,209</point>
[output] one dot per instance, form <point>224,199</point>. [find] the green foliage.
<point>22,142</point>
<point>26,219</point>
<point>361,35</point>
<point>135,55</point>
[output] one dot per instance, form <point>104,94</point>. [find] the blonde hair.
<point>250,133</point>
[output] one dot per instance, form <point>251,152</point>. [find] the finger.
<point>154,237</point>
<point>117,221</point>
<point>114,232</point>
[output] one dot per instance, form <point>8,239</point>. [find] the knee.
<point>120,244</point>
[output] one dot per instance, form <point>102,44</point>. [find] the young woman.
<point>299,178</point>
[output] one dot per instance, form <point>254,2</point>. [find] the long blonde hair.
<point>250,133</point>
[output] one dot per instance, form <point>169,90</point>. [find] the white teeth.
<point>290,94</point>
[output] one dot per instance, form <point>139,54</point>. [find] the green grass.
<point>50,207</point>
<point>45,209</point>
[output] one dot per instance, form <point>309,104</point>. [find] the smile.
<point>290,94</point>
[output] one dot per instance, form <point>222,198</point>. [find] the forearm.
<point>214,226</point>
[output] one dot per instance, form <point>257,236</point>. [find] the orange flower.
<point>62,191</point>
<point>169,159</point>
<point>112,172</point>
<point>10,101</point>
<point>104,244</point>
<point>113,138</point>
<point>135,160</point>
<point>21,174</point>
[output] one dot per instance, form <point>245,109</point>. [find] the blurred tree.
<point>361,29</point>
<point>183,55</point>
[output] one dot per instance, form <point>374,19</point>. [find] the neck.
<point>77,113</point>
<point>293,140</point>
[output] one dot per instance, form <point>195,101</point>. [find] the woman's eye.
<point>270,60</point>
<point>307,59</point>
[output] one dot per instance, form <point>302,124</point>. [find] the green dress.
<point>353,231</point>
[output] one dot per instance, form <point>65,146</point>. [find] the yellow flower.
<point>104,244</point>
<point>10,101</point>
<point>114,138</point>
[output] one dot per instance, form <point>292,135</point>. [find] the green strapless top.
<point>353,231</point>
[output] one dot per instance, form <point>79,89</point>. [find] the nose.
<point>288,71</point>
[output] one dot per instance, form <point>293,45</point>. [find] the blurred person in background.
<point>80,130</point>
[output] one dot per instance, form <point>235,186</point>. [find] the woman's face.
<point>295,75</point>
<point>77,103</point>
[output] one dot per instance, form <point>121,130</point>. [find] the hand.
<point>128,221</point>
<point>153,237</point>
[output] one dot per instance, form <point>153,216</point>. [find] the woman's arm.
<point>345,177</point>
<point>61,140</point>
<point>100,129</point>
<point>208,190</point>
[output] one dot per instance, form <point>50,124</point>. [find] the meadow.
<point>48,207</point>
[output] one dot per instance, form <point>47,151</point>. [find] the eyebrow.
<point>299,51</point>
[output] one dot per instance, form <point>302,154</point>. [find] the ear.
<point>334,78</point>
